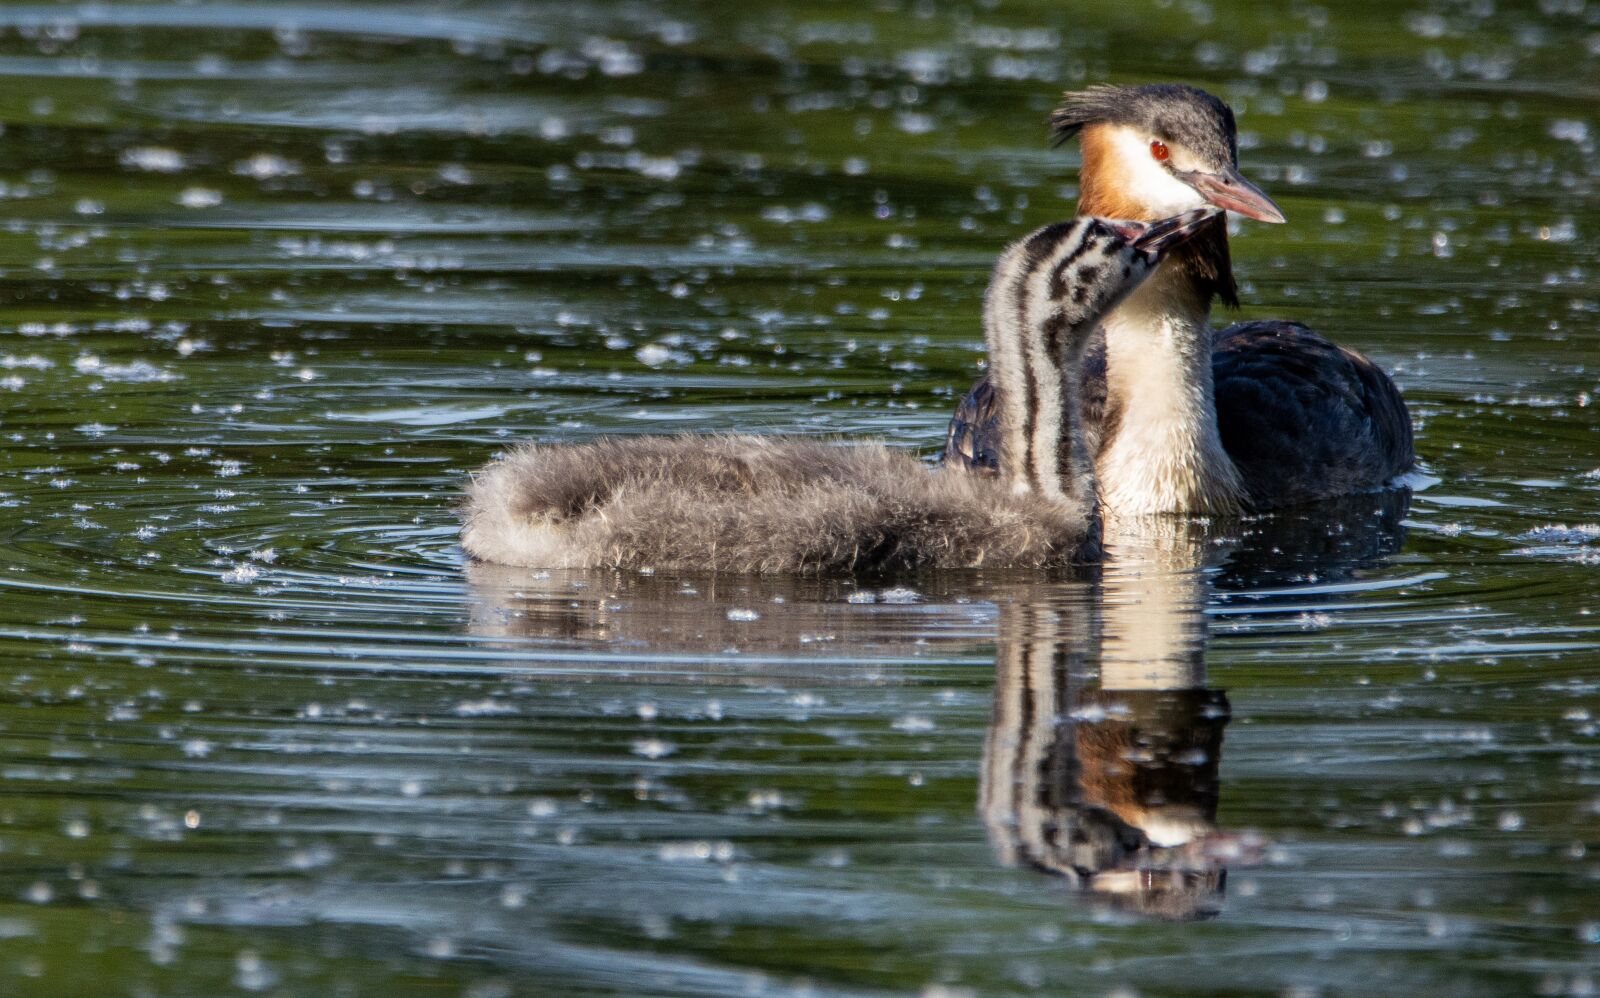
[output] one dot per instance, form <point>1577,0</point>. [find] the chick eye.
<point>1159,150</point>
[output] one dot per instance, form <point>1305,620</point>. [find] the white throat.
<point>1164,454</point>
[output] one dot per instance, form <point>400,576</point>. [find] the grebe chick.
<point>764,504</point>
<point>1181,419</point>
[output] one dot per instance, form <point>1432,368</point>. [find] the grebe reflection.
<point>1101,763</point>
<point>1103,759</point>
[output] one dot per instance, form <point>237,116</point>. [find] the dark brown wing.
<point>972,440</point>
<point>1303,418</point>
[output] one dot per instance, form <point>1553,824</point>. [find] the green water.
<point>278,276</point>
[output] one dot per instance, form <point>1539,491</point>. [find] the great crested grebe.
<point>755,504</point>
<point>1182,419</point>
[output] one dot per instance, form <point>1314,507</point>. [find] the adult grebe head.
<point>1153,151</point>
<point>1156,150</point>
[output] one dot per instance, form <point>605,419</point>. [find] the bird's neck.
<point>1034,370</point>
<point>1044,453</point>
<point>1160,450</point>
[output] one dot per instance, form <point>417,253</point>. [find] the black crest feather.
<point>1173,112</point>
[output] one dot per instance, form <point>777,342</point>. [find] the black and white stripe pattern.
<point>1027,791</point>
<point>1083,781</point>
<point>1048,292</point>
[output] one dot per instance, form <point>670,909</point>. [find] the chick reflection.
<point>1102,758</point>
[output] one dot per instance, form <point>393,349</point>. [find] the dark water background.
<point>277,276</point>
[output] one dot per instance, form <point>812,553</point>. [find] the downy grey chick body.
<point>773,504</point>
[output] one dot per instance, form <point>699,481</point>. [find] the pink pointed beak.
<point>1231,192</point>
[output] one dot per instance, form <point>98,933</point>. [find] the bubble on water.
<point>1509,821</point>
<point>266,166</point>
<point>743,615</point>
<point>153,159</point>
<point>487,707</point>
<point>808,212</point>
<point>899,594</point>
<point>199,197</point>
<point>251,972</point>
<point>513,896</point>
<point>133,372</point>
<point>653,748</point>
<point>312,857</point>
<point>1561,533</point>
<point>1569,130</point>
<point>440,947</point>
<point>654,167</point>
<point>913,724</point>
<point>242,574</point>
<point>765,800</point>
<point>1090,713</point>
<point>915,123</point>
<point>197,748</point>
<point>698,851</point>
<point>39,892</point>
<point>31,362</point>
<point>653,355</point>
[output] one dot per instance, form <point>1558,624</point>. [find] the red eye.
<point>1158,149</point>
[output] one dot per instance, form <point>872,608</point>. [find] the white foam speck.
<point>653,355</point>
<point>241,574</point>
<point>653,748</point>
<point>199,197</point>
<point>154,159</point>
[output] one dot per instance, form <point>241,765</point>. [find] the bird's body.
<point>758,504</point>
<point>1347,429</point>
<point>1179,418</point>
<point>761,504</point>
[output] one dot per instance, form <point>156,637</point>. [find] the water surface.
<point>278,276</point>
